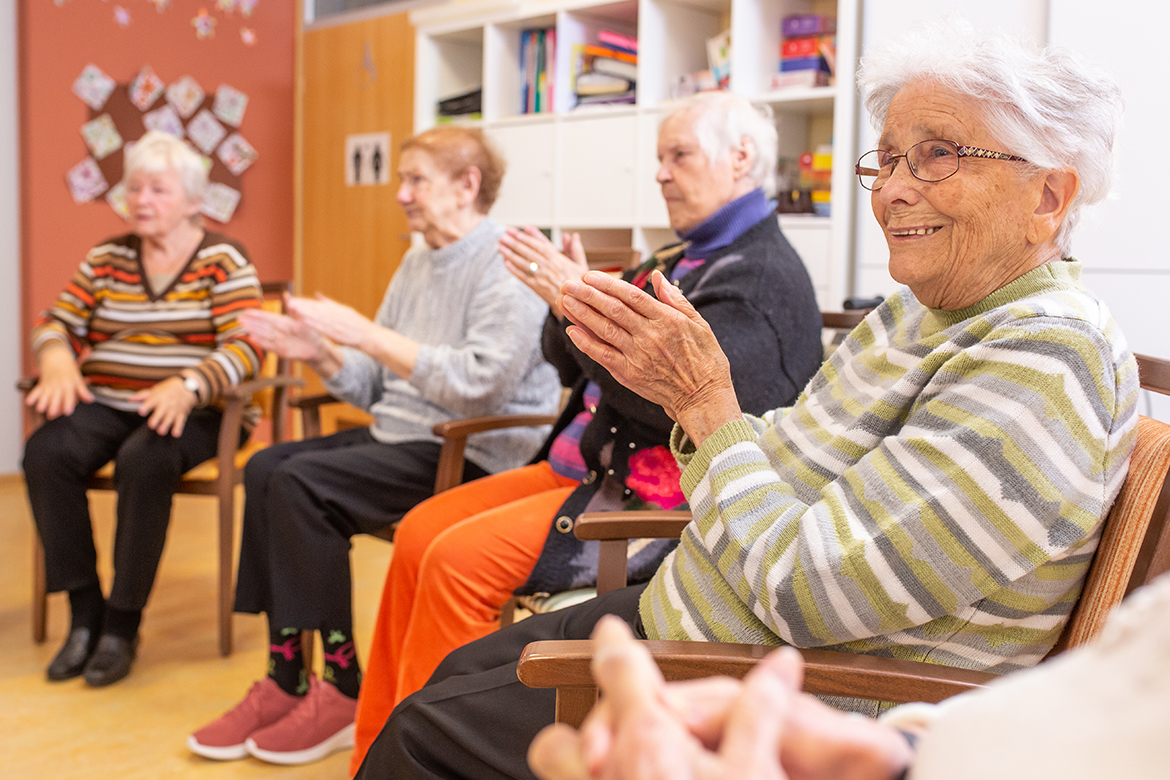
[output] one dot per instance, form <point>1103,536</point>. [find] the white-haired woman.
<point>133,358</point>
<point>459,556</point>
<point>937,491</point>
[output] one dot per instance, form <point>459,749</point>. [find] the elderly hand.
<point>717,727</point>
<point>661,349</point>
<point>344,324</point>
<point>281,334</point>
<point>534,260</point>
<point>167,404</point>
<point>60,386</point>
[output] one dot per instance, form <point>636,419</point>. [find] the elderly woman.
<point>456,336</point>
<point>153,316</point>
<point>937,491</point>
<point>460,555</point>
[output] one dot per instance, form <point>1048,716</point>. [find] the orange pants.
<point>457,558</point>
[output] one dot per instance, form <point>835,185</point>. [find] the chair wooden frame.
<point>1134,549</point>
<point>228,473</point>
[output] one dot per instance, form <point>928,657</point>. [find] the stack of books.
<point>605,72</point>
<point>537,66</point>
<point>808,51</point>
<point>469,105</point>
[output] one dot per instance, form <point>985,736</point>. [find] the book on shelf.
<point>804,25</point>
<point>537,64</point>
<point>462,105</point>
<point>795,79</point>
<point>616,40</point>
<point>617,68</point>
<point>601,74</point>
<point>595,83</point>
<point>618,98</point>
<point>719,58</point>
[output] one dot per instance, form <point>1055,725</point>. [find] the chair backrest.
<point>835,326</point>
<point>1135,543</point>
<point>274,365</point>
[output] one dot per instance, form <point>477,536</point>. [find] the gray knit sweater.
<point>480,333</point>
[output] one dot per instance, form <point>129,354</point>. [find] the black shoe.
<point>111,660</point>
<point>71,659</point>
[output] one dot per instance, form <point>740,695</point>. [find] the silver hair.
<point>721,121</point>
<point>1046,105</point>
<point>157,152</point>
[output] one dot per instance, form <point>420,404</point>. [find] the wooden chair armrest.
<point>304,402</point>
<point>454,434</point>
<point>566,665</point>
<point>245,390</point>
<point>656,524</point>
<point>26,383</point>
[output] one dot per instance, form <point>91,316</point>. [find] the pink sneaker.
<point>223,738</point>
<point>321,724</point>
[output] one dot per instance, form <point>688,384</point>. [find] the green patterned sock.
<point>286,661</point>
<point>341,665</point>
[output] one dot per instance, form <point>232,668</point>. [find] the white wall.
<point>11,431</point>
<point>1125,253</point>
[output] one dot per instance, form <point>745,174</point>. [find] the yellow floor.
<point>138,727</point>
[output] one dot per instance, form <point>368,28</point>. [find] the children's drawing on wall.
<point>367,159</point>
<point>120,114</point>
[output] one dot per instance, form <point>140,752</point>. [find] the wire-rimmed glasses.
<point>930,160</point>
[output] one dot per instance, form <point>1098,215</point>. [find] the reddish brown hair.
<point>455,150</point>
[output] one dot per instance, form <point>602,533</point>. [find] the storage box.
<point>795,79</point>
<point>804,63</point>
<point>803,25</point>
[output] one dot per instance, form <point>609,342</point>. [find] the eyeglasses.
<point>931,160</point>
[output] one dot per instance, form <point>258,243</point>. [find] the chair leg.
<point>40,604</point>
<point>227,516</point>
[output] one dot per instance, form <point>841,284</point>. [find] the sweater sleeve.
<point>67,320</point>
<point>1006,461</point>
<point>479,374</point>
<point>360,379</point>
<point>236,357</point>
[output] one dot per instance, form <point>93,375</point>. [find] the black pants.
<point>59,459</point>
<point>304,500</point>
<point>475,719</point>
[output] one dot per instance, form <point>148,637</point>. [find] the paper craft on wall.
<point>93,86</point>
<point>160,5</point>
<point>227,6</point>
<point>237,154</point>
<point>164,119</point>
<point>121,16</point>
<point>230,105</point>
<point>146,88</point>
<point>101,136</point>
<point>85,181</point>
<point>185,95</point>
<point>204,25</point>
<point>219,202</point>
<point>205,132</point>
<point>246,7</point>
<point>116,197</point>
<point>248,36</point>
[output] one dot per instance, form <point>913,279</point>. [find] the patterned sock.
<point>341,665</point>
<point>87,608</point>
<point>286,661</point>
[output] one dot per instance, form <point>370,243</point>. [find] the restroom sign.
<point>367,159</point>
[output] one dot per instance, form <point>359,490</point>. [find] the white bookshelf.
<point>591,169</point>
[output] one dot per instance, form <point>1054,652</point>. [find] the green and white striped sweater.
<point>936,493</point>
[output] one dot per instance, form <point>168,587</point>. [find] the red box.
<point>798,48</point>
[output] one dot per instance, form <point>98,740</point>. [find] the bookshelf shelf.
<point>592,168</point>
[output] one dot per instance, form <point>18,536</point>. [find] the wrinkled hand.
<point>167,404</point>
<point>344,324</point>
<point>761,728</point>
<point>661,349</point>
<point>60,386</point>
<point>522,248</point>
<point>281,334</point>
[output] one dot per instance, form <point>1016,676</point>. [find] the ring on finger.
<point>533,268</point>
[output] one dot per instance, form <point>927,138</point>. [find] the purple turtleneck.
<point>726,224</point>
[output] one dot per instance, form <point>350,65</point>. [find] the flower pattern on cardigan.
<point>654,477</point>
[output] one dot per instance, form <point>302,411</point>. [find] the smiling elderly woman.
<point>937,490</point>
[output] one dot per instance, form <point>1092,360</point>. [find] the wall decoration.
<point>246,7</point>
<point>237,154</point>
<point>160,5</point>
<point>85,181</point>
<point>121,16</point>
<point>164,119</point>
<point>219,202</point>
<point>226,6</point>
<point>116,197</point>
<point>205,132</point>
<point>101,136</point>
<point>93,86</point>
<point>230,105</point>
<point>204,25</point>
<point>248,36</point>
<point>185,95</point>
<point>146,88</point>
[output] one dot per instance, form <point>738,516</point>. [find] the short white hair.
<point>1047,105</point>
<point>157,152</point>
<point>721,121</point>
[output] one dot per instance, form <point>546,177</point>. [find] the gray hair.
<point>1047,105</point>
<point>157,152</point>
<point>722,120</point>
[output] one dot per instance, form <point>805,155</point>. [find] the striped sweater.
<point>936,493</point>
<point>130,338</point>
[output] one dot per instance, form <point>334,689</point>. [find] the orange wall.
<point>57,42</point>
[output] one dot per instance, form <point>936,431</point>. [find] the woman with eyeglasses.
<point>937,491</point>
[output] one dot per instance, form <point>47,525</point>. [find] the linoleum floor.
<point>137,728</point>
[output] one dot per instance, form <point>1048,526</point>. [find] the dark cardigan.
<point>758,299</point>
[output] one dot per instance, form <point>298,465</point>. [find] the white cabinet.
<point>592,168</point>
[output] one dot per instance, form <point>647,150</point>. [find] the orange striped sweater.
<point>128,337</point>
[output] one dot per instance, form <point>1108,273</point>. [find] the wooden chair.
<point>217,477</point>
<point>1134,549</point>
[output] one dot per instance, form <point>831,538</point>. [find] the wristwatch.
<point>192,384</point>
